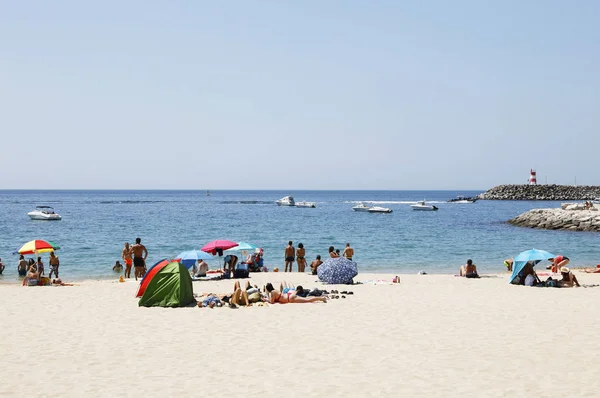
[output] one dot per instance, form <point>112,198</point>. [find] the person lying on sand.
<point>592,270</point>
<point>275,296</point>
<point>250,294</point>
<point>469,270</point>
<point>568,279</point>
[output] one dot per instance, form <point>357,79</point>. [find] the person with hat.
<point>568,279</point>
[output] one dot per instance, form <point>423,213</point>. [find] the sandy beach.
<point>430,335</point>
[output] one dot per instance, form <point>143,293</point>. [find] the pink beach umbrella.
<point>219,244</point>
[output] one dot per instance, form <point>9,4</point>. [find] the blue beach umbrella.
<point>191,257</point>
<point>523,258</point>
<point>241,247</point>
<point>339,271</point>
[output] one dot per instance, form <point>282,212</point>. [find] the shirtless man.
<point>54,263</point>
<point>469,270</point>
<point>289,256</point>
<point>315,264</point>
<point>127,257</point>
<point>140,253</point>
<point>348,252</point>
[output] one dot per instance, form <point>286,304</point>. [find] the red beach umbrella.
<point>219,244</point>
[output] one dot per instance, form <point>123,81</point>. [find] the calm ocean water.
<point>95,225</point>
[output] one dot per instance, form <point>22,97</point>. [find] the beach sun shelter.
<point>169,286</point>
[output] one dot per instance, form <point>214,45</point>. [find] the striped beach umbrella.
<point>36,247</point>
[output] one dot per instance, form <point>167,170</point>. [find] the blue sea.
<point>96,224</point>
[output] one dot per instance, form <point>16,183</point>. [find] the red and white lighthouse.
<point>532,177</point>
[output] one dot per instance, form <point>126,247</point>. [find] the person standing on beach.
<point>2,266</point>
<point>300,253</point>
<point>289,256</point>
<point>126,255</point>
<point>140,253</point>
<point>54,263</point>
<point>348,252</point>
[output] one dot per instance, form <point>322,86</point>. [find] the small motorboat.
<point>361,207</point>
<point>286,201</point>
<point>462,199</point>
<point>423,206</point>
<point>311,205</point>
<point>378,209</point>
<point>46,213</point>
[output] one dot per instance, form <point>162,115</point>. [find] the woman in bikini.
<point>300,253</point>
<point>275,296</point>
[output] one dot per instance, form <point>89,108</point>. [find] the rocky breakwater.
<point>570,217</point>
<point>541,192</point>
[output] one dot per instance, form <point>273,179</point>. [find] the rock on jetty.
<point>542,192</point>
<point>572,220</point>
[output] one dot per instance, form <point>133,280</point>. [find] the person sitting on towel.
<point>469,270</point>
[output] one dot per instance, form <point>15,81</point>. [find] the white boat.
<point>361,207</point>
<point>377,209</point>
<point>423,206</point>
<point>312,205</point>
<point>286,201</point>
<point>44,213</point>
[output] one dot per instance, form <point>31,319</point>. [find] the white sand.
<point>432,335</point>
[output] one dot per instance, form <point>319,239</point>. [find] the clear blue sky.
<point>273,94</point>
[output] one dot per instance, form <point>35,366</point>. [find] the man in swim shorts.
<point>140,253</point>
<point>348,252</point>
<point>128,259</point>
<point>289,256</point>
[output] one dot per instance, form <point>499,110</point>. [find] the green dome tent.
<point>171,286</point>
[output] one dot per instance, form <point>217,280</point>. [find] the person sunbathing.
<point>276,296</point>
<point>593,270</point>
<point>568,279</point>
<point>247,296</point>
